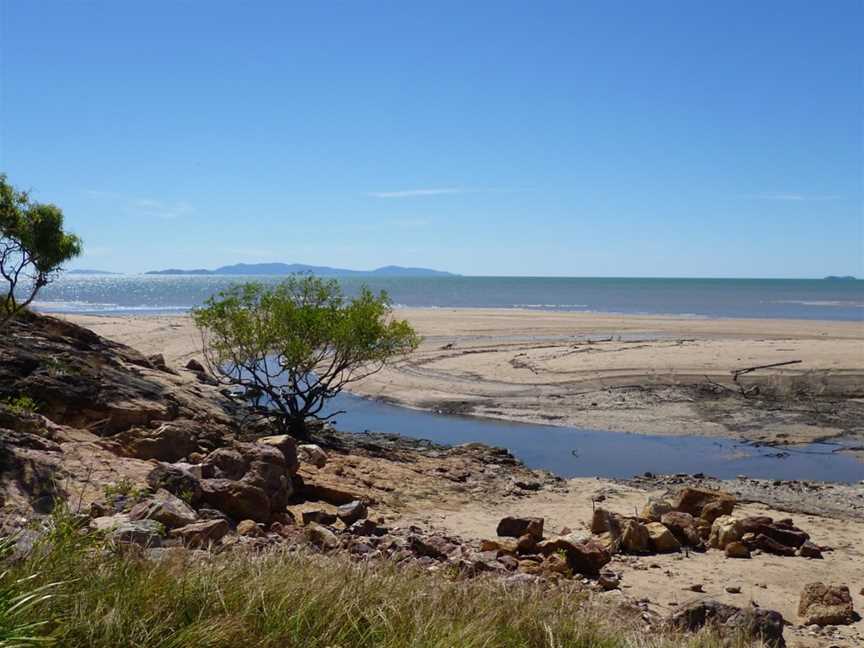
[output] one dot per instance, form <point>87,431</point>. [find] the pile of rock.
<point>196,503</point>
<point>521,547</point>
<point>700,519</point>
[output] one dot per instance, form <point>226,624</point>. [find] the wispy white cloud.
<point>145,207</point>
<point>158,209</point>
<point>411,193</point>
<point>796,197</point>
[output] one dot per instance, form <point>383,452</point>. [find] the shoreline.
<point>664,375</point>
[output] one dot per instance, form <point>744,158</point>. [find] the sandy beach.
<point>653,375</point>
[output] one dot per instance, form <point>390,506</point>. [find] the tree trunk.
<point>297,428</point>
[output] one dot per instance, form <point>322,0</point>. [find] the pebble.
<point>696,588</point>
<point>733,589</point>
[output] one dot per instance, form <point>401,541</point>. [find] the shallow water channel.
<point>574,452</point>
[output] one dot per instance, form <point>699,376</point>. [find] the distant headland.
<point>292,268</point>
<point>840,278</point>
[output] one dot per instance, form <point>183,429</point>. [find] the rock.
<point>321,537</point>
<point>168,442</point>
<point>608,581</point>
<point>194,365</point>
<point>249,528</point>
<point>201,534</point>
<point>287,446</point>
<point>434,546</point>
<point>556,564</point>
<point>586,558</point>
<point>826,605</point>
<point>810,550</point>
<point>318,516</point>
<point>331,493</point>
<point>158,361</point>
<point>770,545</point>
<point>724,530</point>
<point>313,454</point>
<point>662,539</point>
<point>603,521</point>
<point>225,463</point>
<point>655,509</point>
<point>108,522</point>
<point>712,510</point>
<point>176,480</point>
<point>236,498</point>
<point>509,562</point>
<point>526,544</point>
<point>560,543</point>
<point>733,589</point>
<point>761,625</point>
<point>165,508</point>
<point>366,528</point>
<point>516,527</point>
<point>753,523</point>
<point>758,624</point>
<point>683,527</point>
<point>351,512</point>
<point>500,546</point>
<point>635,538</point>
<point>737,550</point>
<point>693,500</point>
<point>147,533</point>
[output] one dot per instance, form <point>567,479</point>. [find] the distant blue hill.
<point>292,268</point>
<point>85,271</point>
<point>842,278</point>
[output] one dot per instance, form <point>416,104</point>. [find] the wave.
<point>96,307</point>
<point>821,302</point>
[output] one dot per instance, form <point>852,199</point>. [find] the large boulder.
<point>177,480</point>
<point>167,442</point>
<point>165,508</point>
<point>662,539</point>
<point>635,538</point>
<point>761,625</point>
<point>287,446</point>
<point>516,527</point>
<point>603,521</point>
<point>683,527</point>
<point>725,530</point>
<point>826,605</point>
<point>225,463</point>
<point>237,499</point>
<point>587,558</point>
<point>694,500</point>
<point>655,509</point>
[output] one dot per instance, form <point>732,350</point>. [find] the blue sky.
<point>581,139</point>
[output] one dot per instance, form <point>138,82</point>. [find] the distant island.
<point>843,278</point>
<point>87,271</point>
<point>292,268</point>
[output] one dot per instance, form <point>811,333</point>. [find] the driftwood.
<point>738,372</point>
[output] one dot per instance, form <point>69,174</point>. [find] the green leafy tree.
<point>299,343</point>
<point>33,248</point>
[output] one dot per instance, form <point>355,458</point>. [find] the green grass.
<point>95,596</point>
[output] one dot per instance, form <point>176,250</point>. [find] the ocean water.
<point>761,298</point>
